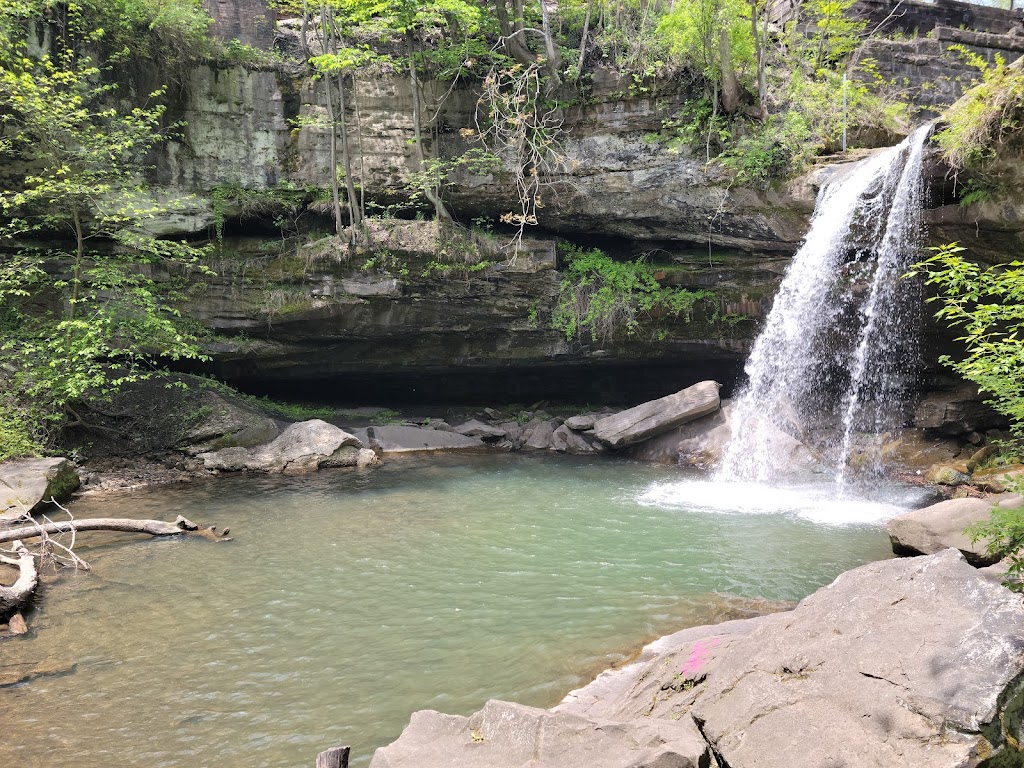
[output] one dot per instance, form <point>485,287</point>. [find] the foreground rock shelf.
<point>914,662</point>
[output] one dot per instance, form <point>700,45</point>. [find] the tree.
<point>79,320</point>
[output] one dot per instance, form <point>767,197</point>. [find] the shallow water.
<point>349,600</point>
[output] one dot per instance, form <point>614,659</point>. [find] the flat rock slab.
<point>657,416</point>
<point>395,439</point>
<point>941,526</point>
<point>477,428</point>
<point>30,483</point>
<point>505,735</point>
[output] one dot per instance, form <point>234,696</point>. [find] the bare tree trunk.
<point>350,190</point>
<point>333,119</point>
<point>417,125</point>
<point>511,36</point>
<point>303,31</point>
<point>583,40</point>
<point>76,280</point>
<point>554,58</point>
<point>730,86</point>
<point>760,52</point>
<point>359,148</point>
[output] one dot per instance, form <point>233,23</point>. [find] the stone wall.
<point>251,22</point>
<point>930,74</point>
<point>887,16</point>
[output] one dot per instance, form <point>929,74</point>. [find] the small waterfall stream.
<point>838,353</point>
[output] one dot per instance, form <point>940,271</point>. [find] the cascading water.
<point>838,354</point>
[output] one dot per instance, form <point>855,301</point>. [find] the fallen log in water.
<point>181,525</point>
<point>16,595</point>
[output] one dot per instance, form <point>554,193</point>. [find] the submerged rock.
<point>658,416</point>
<point>896,663</point>
<point>941,526</point>
<point>29,483</point>
<point>303,447</point>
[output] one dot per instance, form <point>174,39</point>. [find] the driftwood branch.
<point>28,577</point>
<point>153,527</point>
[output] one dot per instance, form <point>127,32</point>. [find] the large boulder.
<point>941,526</point>
<point>904,663</point>
<point>657,416</point>
<point>303,447</point>
<point>226,422</point>
<point>28,484</point>
<point>699,443</point>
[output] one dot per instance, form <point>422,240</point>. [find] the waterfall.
<point>838,353</point>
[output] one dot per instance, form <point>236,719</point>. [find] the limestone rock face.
<point>657,416</point>
<point>505,735</point>
<point>897,663</point>
<point>940,526</point>
<point>30,483</point>
<point>300,448</point>
<point>957,412</point>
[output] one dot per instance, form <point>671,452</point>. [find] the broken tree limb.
<point>15,595</point>
<point>181,525</point>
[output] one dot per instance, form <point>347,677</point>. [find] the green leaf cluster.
<point>603,298</point>
<point>987,305</point>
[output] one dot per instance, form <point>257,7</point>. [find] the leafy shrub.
<point>603,298</point>
<point>979,122</point>
<point>987,304</point>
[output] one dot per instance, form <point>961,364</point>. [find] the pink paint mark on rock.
<point>698,656</point>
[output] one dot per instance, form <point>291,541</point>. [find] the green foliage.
<point>20,434</point>
<point>835,33</point>
<point>603,298</point>
<point>80,321</point>
<point>235,52</point>
<point>691,30</point>
<point>987,305</point>
<point>977,125</point>
<point>283,204</point>
<point>1003,534</point>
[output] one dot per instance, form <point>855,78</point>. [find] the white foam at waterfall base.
<point>818,503</point>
